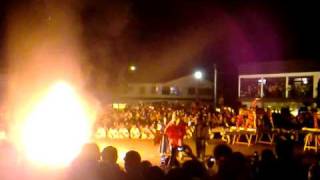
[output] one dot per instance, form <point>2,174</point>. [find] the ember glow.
<point>55,130</point>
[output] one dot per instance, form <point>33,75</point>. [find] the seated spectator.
<point>134,132</point>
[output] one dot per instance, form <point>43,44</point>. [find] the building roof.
<point>278,67</point>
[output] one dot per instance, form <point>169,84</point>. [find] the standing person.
<point>163,137</point>
<point>201,136</point>
<point>175,130</point>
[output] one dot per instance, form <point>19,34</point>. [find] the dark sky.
<point>166,38</point>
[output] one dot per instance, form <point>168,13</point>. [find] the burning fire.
<point>55,130</point>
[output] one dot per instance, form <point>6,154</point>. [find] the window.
<point>205,91</point>
<point>166,90</point>
<point>250,88</point>
<point>127,89</point>
<point>274,87</point>
<point>142,90</point>
<point>301,87</point>
<point>154,90</point>
<point>191,91</point>
<point>174,90</point>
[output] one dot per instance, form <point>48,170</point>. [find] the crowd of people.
<point>177,121</point>
<point>148,121</point>
<point>223,164</point>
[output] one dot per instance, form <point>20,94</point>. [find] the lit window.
<point>174,90</point>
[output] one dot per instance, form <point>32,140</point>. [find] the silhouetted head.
<point>267,155</point>
<point>145,165</point>
<point>175,173</point>
<point>132,161</point>
<point>221,152</point>
<point>194,169</point>
<point>235,167</point>
<point>110,154</point>
<point>154,173</point>
<point>284,149</point>
<point>90,151</point>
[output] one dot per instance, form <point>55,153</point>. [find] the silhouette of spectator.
<point>194,169</point>
<point>86,166</point>
<point>110,155</point>
<point>287,167</point>
<point>267,165</point>
<point>314,172</point>
<point>109,167</point>
<point>90,152</point>
<point>154,173</point>
<point>132,164</point>
<point>175,173</point>
<point>234,167</point>
<point>221,152</point>
<point>145,165</point>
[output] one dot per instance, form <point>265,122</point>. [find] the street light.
<point>198,75</point>
<point>132,68</point>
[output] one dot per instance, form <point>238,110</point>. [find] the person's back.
<point>86,166</point>
<point>234,168</point>
<point>194,169</point>
<point>132,163</point>
<point>221,152</point>
<point>154,173</point>
<point>109,168</point>
<point>287,167</point>
<point>267,165</point>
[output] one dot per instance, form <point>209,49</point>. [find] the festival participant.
<point>251,118</point>
<point>240,118</point>
<point>316,119</point>
<point>201,136</point>
<point>175,131</point>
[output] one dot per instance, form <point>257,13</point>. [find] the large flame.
<point>55,130</point>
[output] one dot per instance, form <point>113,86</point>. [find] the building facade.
<point>185,88</point>
<point>278,84</point>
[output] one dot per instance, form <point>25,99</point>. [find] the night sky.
<point>169,38</point>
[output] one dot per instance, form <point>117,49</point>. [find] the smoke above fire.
<point>43,47</point>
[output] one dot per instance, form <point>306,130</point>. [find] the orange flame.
<point>55,130</point>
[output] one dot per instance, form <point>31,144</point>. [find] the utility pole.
<point>215,73</point>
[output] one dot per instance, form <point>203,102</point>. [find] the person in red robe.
<point>175,131</point>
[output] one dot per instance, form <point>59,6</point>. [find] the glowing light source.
<point>198,75</point>
<point>119,106</point>
<point>2,135</point>
<point>132,68</point>
<point>54,132</point>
